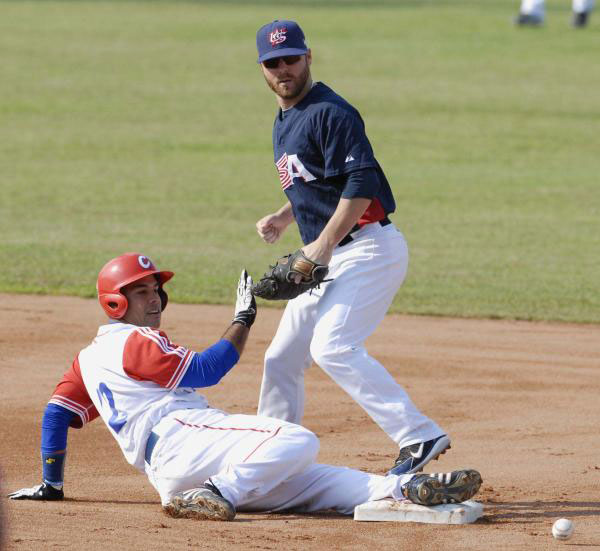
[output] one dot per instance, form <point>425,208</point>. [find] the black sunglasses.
<point>287,59</point>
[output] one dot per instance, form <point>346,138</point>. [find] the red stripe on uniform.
<point>273,435</point>
<point>161,341</point>
<point>74,407</point>
<point>233,428</point>
<point>218,428</point>
<point>181,370</point>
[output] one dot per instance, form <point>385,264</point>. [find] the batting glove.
<point>41,492</point>
<point>245,305</point>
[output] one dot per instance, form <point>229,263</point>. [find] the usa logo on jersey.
<point>278,36</point>
<point>284,175</point>
<point>290,167</point>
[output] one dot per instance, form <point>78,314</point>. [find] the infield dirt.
<point>520,401</point>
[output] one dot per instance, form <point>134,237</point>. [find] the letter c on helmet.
<point>121,271</point>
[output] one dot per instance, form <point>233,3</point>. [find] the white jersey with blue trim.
<point>131,375</point>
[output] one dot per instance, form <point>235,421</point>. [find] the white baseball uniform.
<point>130,376</point>
<point>322,155</point>
<point>329,325</point>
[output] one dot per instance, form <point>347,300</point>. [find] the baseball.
<point>562,529</point>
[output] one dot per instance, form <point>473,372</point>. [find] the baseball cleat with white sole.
<point>205,503</point>
<point>439,488</point>
<point>413,458</point>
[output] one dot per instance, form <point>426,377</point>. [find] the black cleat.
<point>580,19</point>
<point>413,458</point>
<point>436,489</point>
<point>529,20</point>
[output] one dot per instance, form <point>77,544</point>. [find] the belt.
<point>152,440</point>
<point>383,222</point>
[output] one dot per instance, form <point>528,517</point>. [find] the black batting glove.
<point>41,492</point>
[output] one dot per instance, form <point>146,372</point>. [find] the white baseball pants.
<point>533,7</point>
<point>581,6</point>
<point>536,7</point>
<point>329,325</point>
<point>258,464</point>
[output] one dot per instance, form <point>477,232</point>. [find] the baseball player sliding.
<point>340,199</point>
<point>204,463</point>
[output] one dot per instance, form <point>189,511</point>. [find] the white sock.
<point>533,7</point>
<point>582,6</point>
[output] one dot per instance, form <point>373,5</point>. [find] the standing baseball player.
<point>204,463</point>
<point>532,12</point>
<point>340,199</point>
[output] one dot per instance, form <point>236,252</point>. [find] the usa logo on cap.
<point>278,36</point>
<point>279,39</point>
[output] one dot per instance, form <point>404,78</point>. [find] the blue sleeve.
<point>210,366</point>
<point>55,427</point>
<point>361,183</point>
<point>343,141</point>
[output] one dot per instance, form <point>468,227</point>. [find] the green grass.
<point>146,126</point>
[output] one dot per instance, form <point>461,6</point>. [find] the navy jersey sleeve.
<point>340,132</point>
<point>361,183</point>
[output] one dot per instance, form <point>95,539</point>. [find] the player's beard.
<point>294,87</point>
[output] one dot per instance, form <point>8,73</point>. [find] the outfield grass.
<point>146,126</point>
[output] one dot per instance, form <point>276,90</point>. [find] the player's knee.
<point>307,444</point>
<point>322,352</point>
<point>312,444</point>
<point>273,358</point>
<point>278,367</point>
<point>272,367</point>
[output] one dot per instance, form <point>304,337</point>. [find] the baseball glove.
<point>279,282</point>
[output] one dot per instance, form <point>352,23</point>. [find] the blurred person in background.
<point>532,13</point>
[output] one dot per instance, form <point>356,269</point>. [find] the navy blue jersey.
<point>317,144</point>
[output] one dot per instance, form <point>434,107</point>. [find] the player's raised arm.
<point>210,366</point>
<point>244,315</point>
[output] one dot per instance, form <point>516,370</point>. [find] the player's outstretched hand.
<point>41,492</point>
<point>245,304</point>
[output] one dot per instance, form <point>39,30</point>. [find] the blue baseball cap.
<point>278,39</point>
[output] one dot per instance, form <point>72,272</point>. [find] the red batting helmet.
<point>121,271</point>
